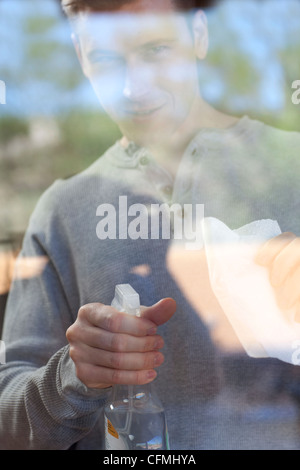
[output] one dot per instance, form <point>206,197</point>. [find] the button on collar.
<point>194,150</point>
<point>168,190</point>
<point>144,160</point>
<point>131,149</point>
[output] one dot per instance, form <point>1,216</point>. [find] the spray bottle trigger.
<point>126,300</point>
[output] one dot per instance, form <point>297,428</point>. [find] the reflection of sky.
<point>26,92</point>
<point>258,29</point>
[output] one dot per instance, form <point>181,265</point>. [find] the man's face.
<point>142,66</point>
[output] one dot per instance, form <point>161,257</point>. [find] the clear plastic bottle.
<point>134,416</point>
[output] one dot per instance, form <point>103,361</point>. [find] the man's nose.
<point>137,81</point>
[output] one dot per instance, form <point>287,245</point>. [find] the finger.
<point>285,262</point>
<point>102,377</point>
<point>116,360</point>
<point>289,292</point>
<point>118,342</point>
<point>110,319</point>
<point>269,250</point>
<point>161,312</point>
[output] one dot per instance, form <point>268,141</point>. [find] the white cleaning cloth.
<point>243,289</point>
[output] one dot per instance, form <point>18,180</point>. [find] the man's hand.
<point>281,255</point>
<point>110,347</point>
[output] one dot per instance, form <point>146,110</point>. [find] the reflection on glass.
<point>156,109</point>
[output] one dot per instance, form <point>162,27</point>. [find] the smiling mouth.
<point>142,113</point>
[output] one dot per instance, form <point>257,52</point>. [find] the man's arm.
<point>43,405</point>
<point>50,391</point>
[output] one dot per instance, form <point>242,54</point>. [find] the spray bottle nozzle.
<point>126,300</point>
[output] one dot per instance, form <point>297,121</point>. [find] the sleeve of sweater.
<point>43,405</point>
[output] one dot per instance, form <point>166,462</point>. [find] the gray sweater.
<point>242,174</point>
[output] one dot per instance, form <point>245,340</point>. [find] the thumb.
<point>160,312</point>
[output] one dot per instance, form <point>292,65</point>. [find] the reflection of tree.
<point>39,140</point>
<point>253,53</point>
<point>253,60</point>
<point>39,62</point>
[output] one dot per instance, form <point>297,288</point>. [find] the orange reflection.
<point>142,270</point>
<point>19,268</point>
<point>28,267</point>
<point>190,271</point>
<point>7,262</point>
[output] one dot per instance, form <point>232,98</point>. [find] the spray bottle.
<point>134,416</point>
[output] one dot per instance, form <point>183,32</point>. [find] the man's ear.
<point>200,32</point>
<point>77,47</point>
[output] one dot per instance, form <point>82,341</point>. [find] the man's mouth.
<point>142,113</point>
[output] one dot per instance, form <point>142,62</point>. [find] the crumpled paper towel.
<point>244,291</point>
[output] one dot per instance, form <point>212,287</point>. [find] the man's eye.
<point>103,59</point>
<point>159,51</point>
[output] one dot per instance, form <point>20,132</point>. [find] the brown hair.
<point>73,7</point>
